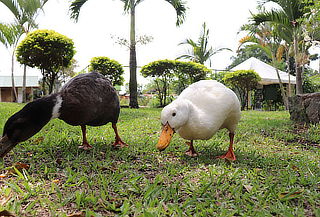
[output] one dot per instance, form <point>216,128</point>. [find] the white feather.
<point>202,109</point>
<point>56,107</point>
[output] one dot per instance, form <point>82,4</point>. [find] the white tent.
<point>267,72</point>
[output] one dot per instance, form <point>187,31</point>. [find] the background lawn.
<point>277,172</point>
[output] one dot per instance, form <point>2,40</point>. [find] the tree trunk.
<point>15,95</point>
<point>24,81</point>
<point>133,60</point>
<point>288,70</point>
<point>43,82</point>
<point>299,89</point>
<point>283,92</point>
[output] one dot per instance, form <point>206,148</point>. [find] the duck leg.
<point>230,154</point>
<point>191,152</point>
<point>118,141</point>
<point>85,145</point>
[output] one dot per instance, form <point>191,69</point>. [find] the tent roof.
<point>267,72</point>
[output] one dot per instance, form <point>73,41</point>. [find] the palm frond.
<point>13,6</point>
<point>180,7</point>
<point>275,16</point>
<point>188,41</point>
<point>187,56</point>
<point>10,34</point>
<point>75,8</point>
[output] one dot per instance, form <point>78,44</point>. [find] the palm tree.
<point>289,16</point>
<point>266,37</point>
<point>25,13</point>
<point>130,7</point>
<point>200,51</point>
<point>9,37</point>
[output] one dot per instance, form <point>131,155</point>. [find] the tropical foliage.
<point>242,81</point>
<point>176,73</point>
<point>289,19</point>
<point>266,37</point>
<point>47,50</point>
<point>9,37</point>
<point>130,8</point>
<point>25,13</point>
<point>111,69</point>
<point>200,51</point>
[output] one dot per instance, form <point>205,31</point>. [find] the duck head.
<point>173,117</point>
<point>20,127</point>
<point>16,130</point>
<point>11,133</point>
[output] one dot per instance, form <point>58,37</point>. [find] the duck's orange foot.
<point>228,156</point>
<point>119,144</point>
<point>191,152</point>
<point>85,146</point>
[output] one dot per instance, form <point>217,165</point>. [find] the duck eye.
<point>173,114</point>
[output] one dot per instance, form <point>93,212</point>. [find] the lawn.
<point>277,171</point>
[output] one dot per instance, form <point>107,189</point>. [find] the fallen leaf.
<point>38,140</point>
<point>6,213</point>
<point>56,181</point>
<point>3,176</point>
<point>289,195</point>
<point>20,166</point>
<point>78,214</point>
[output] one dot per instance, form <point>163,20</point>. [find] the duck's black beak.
<point>5,145</point>
<point>165,137</point>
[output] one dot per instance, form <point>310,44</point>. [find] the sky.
<point>99,20</point>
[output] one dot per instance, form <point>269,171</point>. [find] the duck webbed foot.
<point>230,154</point>
<point>85,145</point>
<point>118,142</point>
<point>191,152</point>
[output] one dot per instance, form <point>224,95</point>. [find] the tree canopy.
<point>176,73</point>
<point>242,81</point>
<point>48,51</point>
<point>111,69</point>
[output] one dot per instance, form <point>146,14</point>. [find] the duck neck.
<point>45,108</point>
<point>32,118</point>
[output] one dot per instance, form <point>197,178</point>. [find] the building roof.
<point>31,81</point>
<point>267,72</point>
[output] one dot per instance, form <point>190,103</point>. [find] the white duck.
<point>200,111</point>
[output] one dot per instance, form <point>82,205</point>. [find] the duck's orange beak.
<point>165,137</point>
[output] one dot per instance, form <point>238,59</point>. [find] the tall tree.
<point>47,50</point>
<point>200,51</point>
<point>290,16</point>
<point>266,38</point>
<point>25,13</point>
<point>130,7</point>
<point>9,37</point>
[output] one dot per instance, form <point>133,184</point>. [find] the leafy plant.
<point>111,69</point>
<point>48,51</point>
<point>243,81</point>
<point>173,73</point>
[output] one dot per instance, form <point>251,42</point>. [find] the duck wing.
<point>89,99</point>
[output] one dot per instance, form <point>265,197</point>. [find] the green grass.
<point>277,171</point>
